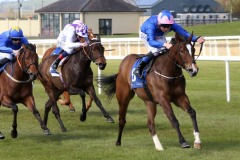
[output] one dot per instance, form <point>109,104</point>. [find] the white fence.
<point>223,48</point>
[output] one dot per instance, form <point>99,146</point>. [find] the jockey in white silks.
<point>69,40</point>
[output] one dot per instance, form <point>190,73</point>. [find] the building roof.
<point>90,6</point>
<point>192,6</point>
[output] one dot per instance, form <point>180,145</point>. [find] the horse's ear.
<point>98,37</point>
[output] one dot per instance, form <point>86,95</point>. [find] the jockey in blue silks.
<point>153,32</point>
<point>69,40</point>
<point>10,43</point>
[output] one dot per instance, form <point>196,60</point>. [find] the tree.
<point>231,6</point>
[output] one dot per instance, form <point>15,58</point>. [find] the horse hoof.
<point>110,120</point>
<point>72,109</point>
<point>185,145</point>
<point>197,145</point>
<point>118,143</point>
<point>46,132</point>
<point>64,129</point>
<point>159,149</point>
<point>14,134</point>
<point>2,136</point>
<point>83,118</point>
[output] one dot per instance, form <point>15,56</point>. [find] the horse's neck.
<point>82,59</point>
<point>167,65</point>
<point>16,71</point>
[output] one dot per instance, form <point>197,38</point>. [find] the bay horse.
<point>16,85</point>
<point>165,83</point>
<point>65,98</point>
<point>77,78</point>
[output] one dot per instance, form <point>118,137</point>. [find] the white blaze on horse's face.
<point>192,70</point>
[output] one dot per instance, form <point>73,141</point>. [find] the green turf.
<point>95,139</point>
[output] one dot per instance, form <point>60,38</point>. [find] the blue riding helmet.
<point>16,32</point>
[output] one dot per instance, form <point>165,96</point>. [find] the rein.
<point>168,77</point>
<point>91,58</point>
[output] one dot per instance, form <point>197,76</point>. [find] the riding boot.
<point>144,61</point>
<point>4,61</point>
<point>55,64</point>
<point>139,69</point>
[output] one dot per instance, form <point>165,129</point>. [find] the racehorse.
<point>165,83</point>
<point>16,85</point>
<point>76,77</point>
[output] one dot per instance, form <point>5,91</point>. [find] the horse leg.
<point>83,116</point>
<point>89,103</point>
<point>151,112</point>
<point>66,101</point>
<point>14,132</point>
<point>167,108</point>
<point>2,136</point>
<point>184,103</point>
<point>123,96</point>
<point>55,111</point>
<point>8,103</point>
<point>92,94</point>
<point>29,102</point>
<point>48,106</point>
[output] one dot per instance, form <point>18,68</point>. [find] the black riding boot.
<point>4,61</point>
<point>139,69</point>
<point>55,64</point>
<point>142,64</point>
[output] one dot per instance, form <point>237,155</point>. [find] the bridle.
<point>90,54</point>
<point>23,67</point>
<point>183,66</point>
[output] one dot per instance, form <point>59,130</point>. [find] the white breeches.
<point>143,37</point>
<point>5,55</point>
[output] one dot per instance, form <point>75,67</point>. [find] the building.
<point>105,17</point>
<point>187,12</point>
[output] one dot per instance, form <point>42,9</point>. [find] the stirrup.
<point>137,73</point>
<point>53,72</point>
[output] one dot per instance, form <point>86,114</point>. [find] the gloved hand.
<point>83,44</point>
<point>16,52</point>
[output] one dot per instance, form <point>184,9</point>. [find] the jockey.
<point>69,39</point>
<point>10,42</point>
<point>153,32</point>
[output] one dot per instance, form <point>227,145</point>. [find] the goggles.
<point>165,25</point>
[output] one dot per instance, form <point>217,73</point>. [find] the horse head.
<point>95,52</point>
<point>28,60</point>
<point>183,58</point>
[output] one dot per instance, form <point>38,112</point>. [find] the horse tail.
<point>108,84</point>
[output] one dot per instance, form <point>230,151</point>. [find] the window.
<point>105,26</point>
<point>50,25</point>
<point>69,18</point>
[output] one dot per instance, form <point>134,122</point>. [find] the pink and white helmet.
<point>165,17</point>
<point>82,30</point>
<point>77,22</point>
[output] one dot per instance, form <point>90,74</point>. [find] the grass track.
<point>95,139</point>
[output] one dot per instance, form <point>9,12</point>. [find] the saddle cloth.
<point>137,82</point>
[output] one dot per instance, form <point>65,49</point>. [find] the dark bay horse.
<point>77,78</point>
<point>64,99</point>
<point>165,84</point>
<point>16,85</point>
